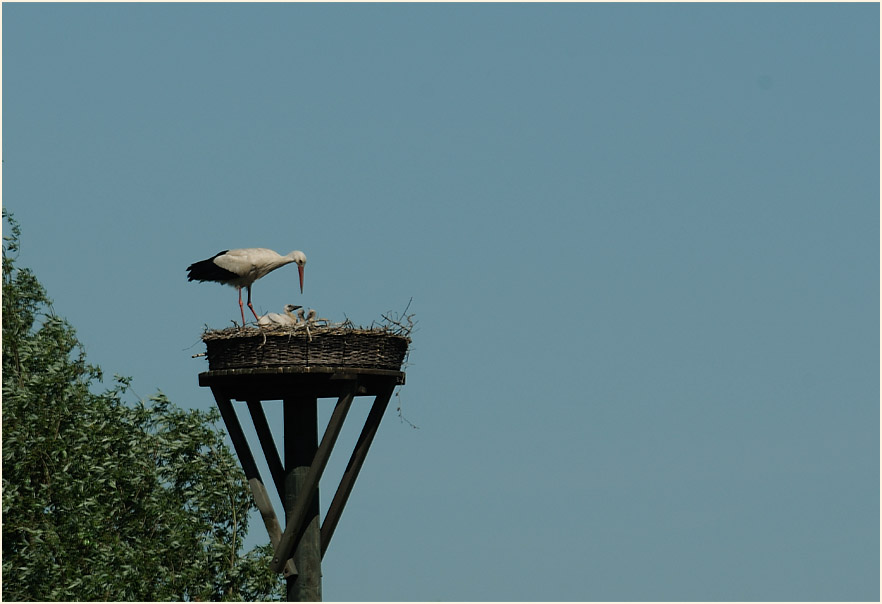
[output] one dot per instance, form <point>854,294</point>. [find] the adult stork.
<point>241,268</point>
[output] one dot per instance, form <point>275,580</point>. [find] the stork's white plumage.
<point>274,318</point>
<point>289,312</point>
<point>241,268</point>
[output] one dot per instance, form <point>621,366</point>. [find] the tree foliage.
<point>104,500</point>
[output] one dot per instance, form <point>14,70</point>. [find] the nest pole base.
<point>300,548</point>
<point>301,442</point>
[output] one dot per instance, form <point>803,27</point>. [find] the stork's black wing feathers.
<point>207,270</point>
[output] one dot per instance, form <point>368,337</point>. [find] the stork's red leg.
<point>241,308</point>
<point>251,307</point>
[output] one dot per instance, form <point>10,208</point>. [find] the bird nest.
<point>341,345</point>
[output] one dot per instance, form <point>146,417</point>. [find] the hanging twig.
<point>401,415</point>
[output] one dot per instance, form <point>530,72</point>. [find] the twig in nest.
<point>399,323</point>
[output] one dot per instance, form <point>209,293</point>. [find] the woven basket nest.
<point>284,346</point>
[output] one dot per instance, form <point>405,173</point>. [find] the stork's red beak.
<point>300,270</point>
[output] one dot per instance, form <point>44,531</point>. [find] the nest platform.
<point>335,347</point>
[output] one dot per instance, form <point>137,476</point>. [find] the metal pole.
<point>301,442</point>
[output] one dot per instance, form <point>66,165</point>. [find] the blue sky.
<point>642,243</point>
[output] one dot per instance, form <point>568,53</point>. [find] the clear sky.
<point>642,243</point>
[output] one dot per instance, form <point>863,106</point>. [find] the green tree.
<point>104,500</point>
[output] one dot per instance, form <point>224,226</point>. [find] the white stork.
<point>241,268</point>
<point>274,318</point>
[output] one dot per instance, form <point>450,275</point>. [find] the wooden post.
<point>308,486</point>
<point>301,442</point>
<point>303,540</point>
<point>267,444</point>
<point>249,467</point>
<point>354,466</point>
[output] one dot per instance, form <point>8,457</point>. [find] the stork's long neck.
<point>272,264</point>
<point>286,259</point>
